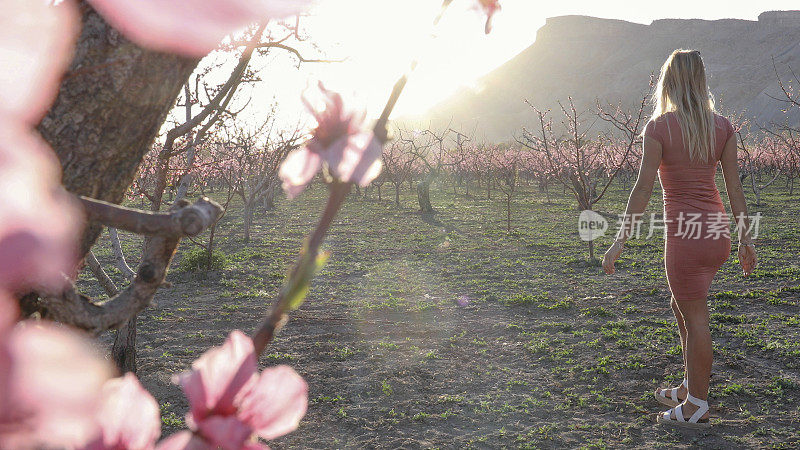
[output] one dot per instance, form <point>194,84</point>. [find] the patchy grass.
<point>547,351</point>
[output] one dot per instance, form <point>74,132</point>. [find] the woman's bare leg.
<point>682,332</point>
<point>697,350</point>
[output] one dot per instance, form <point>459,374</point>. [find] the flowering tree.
<point>581,163</point>
<point>398,164</point>
<point>432,151</point>
<point>507,162</point>
<point>252,158</point>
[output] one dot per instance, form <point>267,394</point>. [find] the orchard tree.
<point>398,165</point>
<point>586,166</point>
<point>506,163</point>
<point>253,159</point>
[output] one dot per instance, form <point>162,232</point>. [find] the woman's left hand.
<point>612,254</point>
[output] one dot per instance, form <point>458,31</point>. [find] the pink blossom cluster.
<point>340,143</point>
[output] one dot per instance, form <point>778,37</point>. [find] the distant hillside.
<point>588,58</point>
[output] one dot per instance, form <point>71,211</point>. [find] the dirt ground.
<point>446,331</point>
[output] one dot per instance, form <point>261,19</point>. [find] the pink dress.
<point>697,240</point>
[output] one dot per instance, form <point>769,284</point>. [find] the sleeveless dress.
<point>697,240</point>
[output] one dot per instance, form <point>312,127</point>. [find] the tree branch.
<point>167,229</point>
<point>188,220</point>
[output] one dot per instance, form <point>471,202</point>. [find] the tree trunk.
<point>123,352</point>
<point>269,197</point>
<point>186,179</point>
<point>424,196</point>
<point>248,221</point>
<point>508,213</point>
<point>111,104</point>
<point>397,194</point>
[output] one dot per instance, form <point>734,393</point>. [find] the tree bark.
<point>424,196</point>
<point>111,103</point>
<point>248,221</point>
<point>123,351</point>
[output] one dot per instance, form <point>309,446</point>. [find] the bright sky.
<point>380,38</point>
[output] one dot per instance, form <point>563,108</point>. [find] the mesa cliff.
<point>589,58</point>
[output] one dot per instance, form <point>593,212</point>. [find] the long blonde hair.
<point>682,89</point>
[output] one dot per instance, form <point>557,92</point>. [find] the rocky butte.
<point>590,58</point>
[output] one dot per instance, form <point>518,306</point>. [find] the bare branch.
<point>185,221</point>
<point>70,307</point>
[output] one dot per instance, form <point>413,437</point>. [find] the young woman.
<point>683,141</point>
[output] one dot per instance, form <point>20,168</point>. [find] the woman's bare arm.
<point>638,199</point>
<point>643,189</point>
<point>733,185</point>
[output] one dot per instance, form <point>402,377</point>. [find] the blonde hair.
<point>682,89</point>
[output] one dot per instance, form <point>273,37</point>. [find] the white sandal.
<point>694,422</point>
<point>673,399</point>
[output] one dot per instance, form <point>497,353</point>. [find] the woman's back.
<point>687,184</point>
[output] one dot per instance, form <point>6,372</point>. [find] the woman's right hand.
<point>747,258</point>
<point>612,254</point>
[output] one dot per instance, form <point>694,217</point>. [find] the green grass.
<point>548,352</point>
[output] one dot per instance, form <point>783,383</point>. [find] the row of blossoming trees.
<point>565,156</point>
<point>566,150</point>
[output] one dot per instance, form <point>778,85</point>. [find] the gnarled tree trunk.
<point>110,106</point>
<point>112,102</point>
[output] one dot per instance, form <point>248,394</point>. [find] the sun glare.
<point>378,39</point>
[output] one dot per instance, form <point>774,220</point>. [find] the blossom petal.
<point>228,433</point>
<point>184,440</point>
<point>9,311</point>
<point>129,417</point>
<point>298,169</point>
<point>218,375</point>
<point>190,27</point>
<point>360,160</point>
<point>38,220</point>
<point>490,8</point>
<point>53,388</point>
<point>36,41</point>
<point>276,403</point>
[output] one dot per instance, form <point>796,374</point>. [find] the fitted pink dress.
<point>697,240</point>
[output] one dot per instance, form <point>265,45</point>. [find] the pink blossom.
<point>231,403</point>
<point>50,383</point>
<point>129,416</point>
<point>38,221</point>
<point>190,27</point>
<point>490,7</point>
<point>37,225</point>
<point>340,142</point>
<point>35,46</point>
